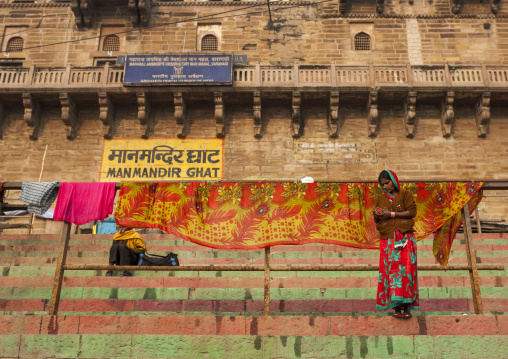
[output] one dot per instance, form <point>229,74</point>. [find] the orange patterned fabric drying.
<point>232,215</point>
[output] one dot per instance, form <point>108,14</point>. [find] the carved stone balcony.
<point>79,87</point>
<point>297,77</point>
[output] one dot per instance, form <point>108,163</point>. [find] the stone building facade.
<point>337,90</point>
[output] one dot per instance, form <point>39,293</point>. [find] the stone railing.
<point>296,76</point>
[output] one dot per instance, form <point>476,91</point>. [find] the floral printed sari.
<point>398,276</point>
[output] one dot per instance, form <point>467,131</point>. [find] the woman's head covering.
<point>390,175</point>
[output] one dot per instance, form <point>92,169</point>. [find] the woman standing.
<point>398,278</point>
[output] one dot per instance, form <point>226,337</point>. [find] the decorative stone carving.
<point>410,114</point>
<point>144,114</point>
<point>145,9</point>
<point>140,11</point>
<point>372,117</point>
<point>88,11</point>
<point>84,11</point>
<point>2,119</point>
<point>495,6</point>
<point>380,5</point>
<point>342,6</point>
<point>296,118</point>
<point>333,115</point>
<point>70,115</point>
<point>133,10</point>
<point>258,124</point>
<point>107,114</point>
<point>182,123</point>
<point>447,114</point>
<point>219,114</point>
<point>32,116</point>
<point>483,114</point>
<point>455,6</point>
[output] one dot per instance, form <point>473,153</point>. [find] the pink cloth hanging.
<point>83,202</point>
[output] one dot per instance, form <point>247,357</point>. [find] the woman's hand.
<point>380,214</point>
<point>384,215</point>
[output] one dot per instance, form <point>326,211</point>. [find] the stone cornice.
<point>232,3</point>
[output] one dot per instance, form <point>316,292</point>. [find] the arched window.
<point>209,43</point>
<point>15,44</point>
<point>111,43</point>
<point>362,41</point>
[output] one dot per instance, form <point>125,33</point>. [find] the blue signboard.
<point>148,70</point>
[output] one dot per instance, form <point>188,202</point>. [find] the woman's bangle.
<point>392,214</point>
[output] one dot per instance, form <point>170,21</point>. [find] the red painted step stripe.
<point>241,306</point>
<point>22,305</point>
<point>276,306</point>
<point>262,325</point>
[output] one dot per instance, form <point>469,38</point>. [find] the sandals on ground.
<point>401,313</point>
<point>397,314</point>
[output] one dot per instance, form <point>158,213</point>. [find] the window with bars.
<point>15,44</point>
<point>362,41</point>
<point>209,43</point>
<point>111,43</point>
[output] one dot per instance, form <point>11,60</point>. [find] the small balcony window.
<point>111,43</point>
<point>209,43</point>
<point>15,44</point>
<point>362,41</point>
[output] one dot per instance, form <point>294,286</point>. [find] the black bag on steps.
<point>170,260</point>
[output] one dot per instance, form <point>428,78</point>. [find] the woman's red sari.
<point>398,276</point>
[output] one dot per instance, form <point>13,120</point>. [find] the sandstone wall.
<point>305,32</point>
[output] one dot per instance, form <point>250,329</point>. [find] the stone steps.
<point>215,314</point>
<point>112,336</point>
<point>28,269</point>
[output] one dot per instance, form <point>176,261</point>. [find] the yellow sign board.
<point>162,159</point>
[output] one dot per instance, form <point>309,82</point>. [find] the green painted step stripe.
<point>234,293</point>
<point>252,346</point>
<point>49,271</point>
<point>246,254</point>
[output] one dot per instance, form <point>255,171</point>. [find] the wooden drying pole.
<point>59,272</point>
<point>471,261</point>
